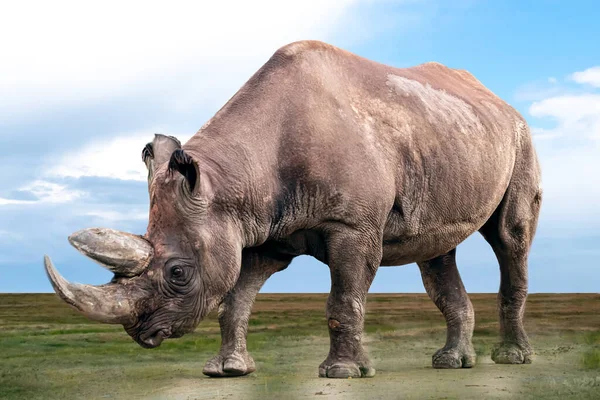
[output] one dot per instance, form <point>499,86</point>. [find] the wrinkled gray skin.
<point>352,162</point>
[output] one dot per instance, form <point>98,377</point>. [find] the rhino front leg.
<point>234,312</point>
<point>353,261</point>
<point>444,286</point>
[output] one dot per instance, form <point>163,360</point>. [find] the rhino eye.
<point>176,272</point>
<point>179,275</point>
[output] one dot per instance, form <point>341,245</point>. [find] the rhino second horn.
<point>108,303</point>
<point>123,253</point>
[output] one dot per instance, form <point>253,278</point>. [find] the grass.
<point>47,351</point>
<point>591,357</point>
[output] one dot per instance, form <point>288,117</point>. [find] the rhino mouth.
<point>154,339</point>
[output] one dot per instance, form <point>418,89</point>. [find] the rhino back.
<point>319,134</point>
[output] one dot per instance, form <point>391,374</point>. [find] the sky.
<point>83,87</point>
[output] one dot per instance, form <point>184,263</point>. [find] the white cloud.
<point>44,192</point>
<point>543,134</point>
<point>7,235</point>
<point>571,182</point>
<point>590,76</point>
<point>5,202</point>
<point>576,116</point>
<point>49,192</point>
<point>117,158</point>
<point>538,91</point>
<point>67,52</point>
<point>190,56</point>
<point>116,216</point>
<point>569,152</point>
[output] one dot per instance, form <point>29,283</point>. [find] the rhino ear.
<point>184,164</point>
<point>158,152</point>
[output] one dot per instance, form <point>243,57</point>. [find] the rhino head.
<point>166,281</point>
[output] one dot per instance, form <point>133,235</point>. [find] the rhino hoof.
<point>511,353</point>
<point>345,370</point>
<point>230,365</point>
<point>453,358</point>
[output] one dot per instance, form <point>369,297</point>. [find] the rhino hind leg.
<point>353,259</point>
<point>510,232</point>
<point>234,313</point>
<point>445,287</point>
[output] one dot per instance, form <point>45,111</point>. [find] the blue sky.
<point>83,89</point>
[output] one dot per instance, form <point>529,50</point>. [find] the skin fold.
<point>355,163</point>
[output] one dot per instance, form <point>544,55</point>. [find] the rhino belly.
<point>407,243</point>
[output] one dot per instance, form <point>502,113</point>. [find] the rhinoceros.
<point>328,154</point>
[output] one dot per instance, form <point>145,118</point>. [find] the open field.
<point>47,351</point>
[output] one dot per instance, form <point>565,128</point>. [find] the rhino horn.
<point>126,255</point>
<point>110,303</point>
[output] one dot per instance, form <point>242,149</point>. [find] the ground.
<point>47,351</point>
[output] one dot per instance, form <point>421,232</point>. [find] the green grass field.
<point>47,351</point>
